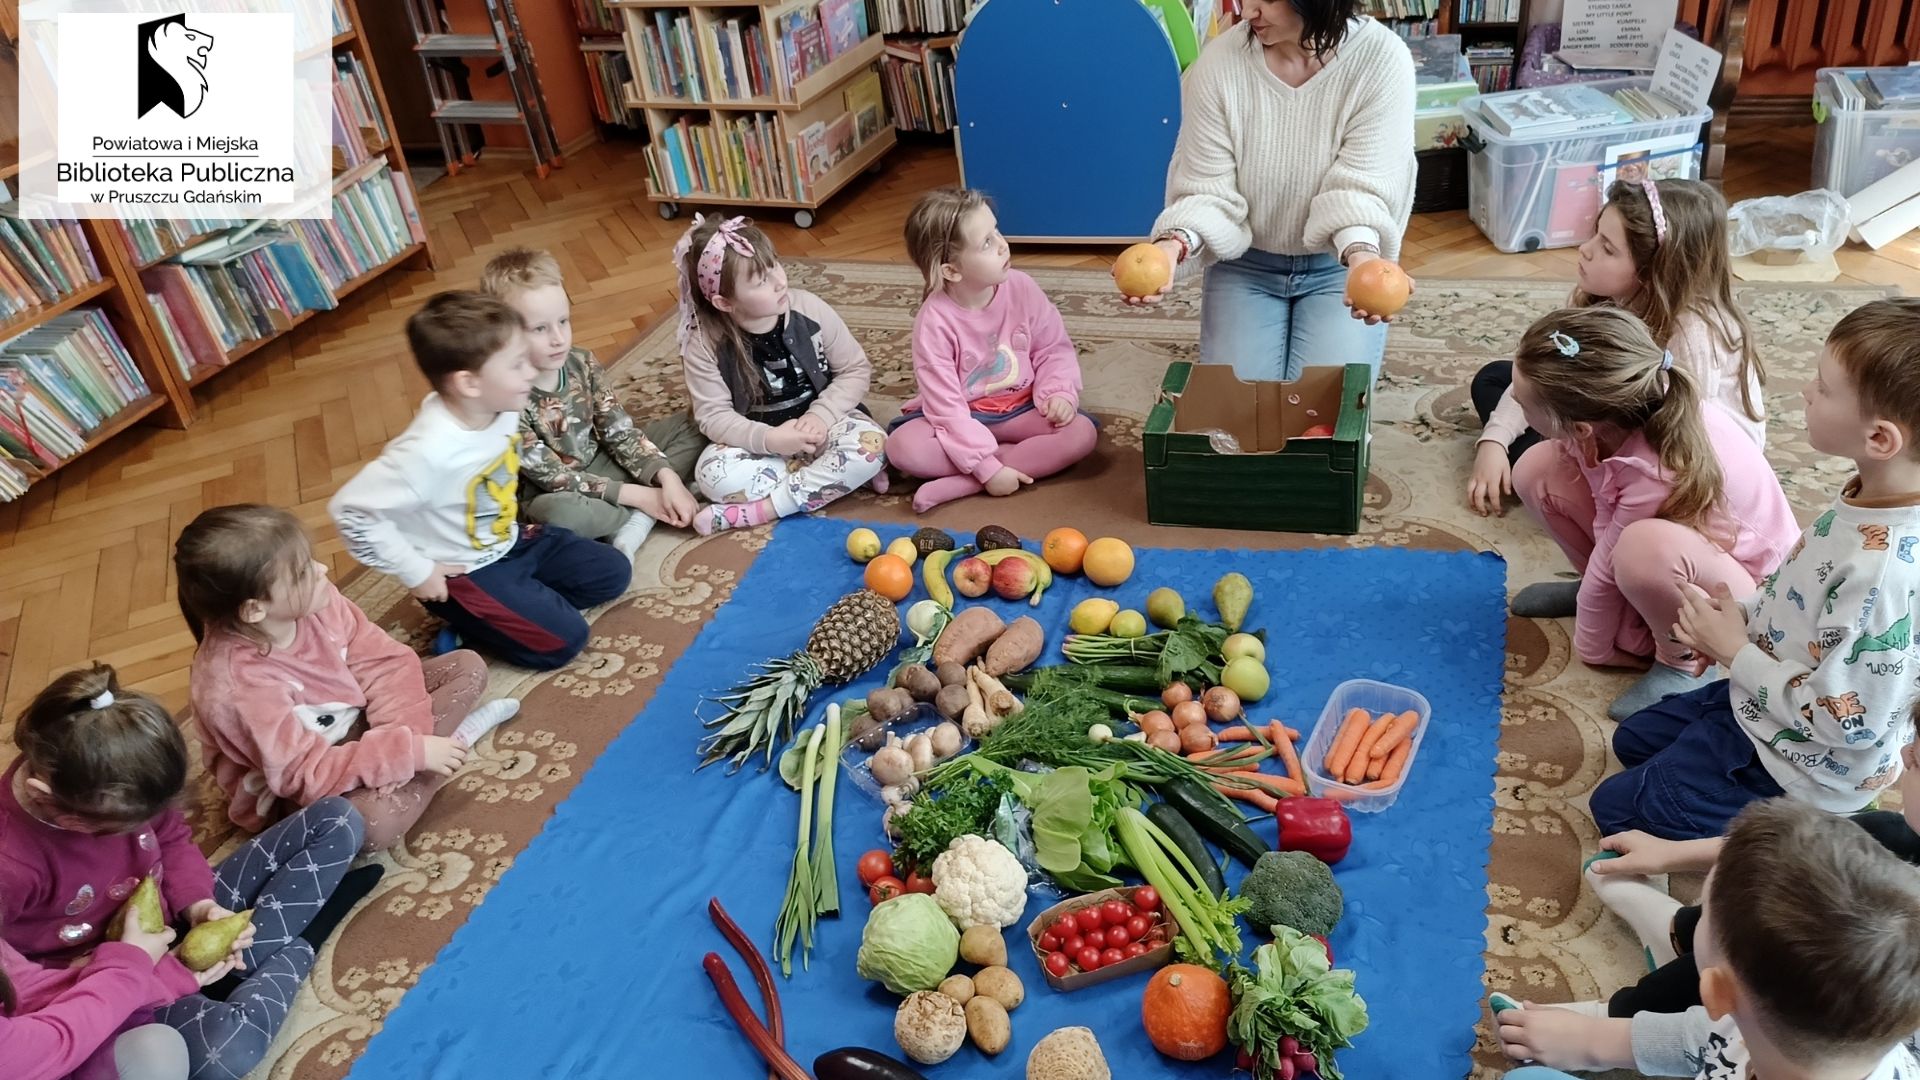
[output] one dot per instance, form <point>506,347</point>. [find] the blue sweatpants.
<point>525,608</point>
<point>1689,769</point>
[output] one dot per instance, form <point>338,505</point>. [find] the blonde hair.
<point>933,229</point>
<point>716,326</point>
<point>119,763</point>
<point>1687,272</point>
<point>518,270</point>
<point>1620,376</point>
<point>1878,343</point>
<point>232,554</point>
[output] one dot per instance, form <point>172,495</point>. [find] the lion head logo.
<point>173,65</point>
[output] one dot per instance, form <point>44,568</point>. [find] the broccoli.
<point>1292,888</point>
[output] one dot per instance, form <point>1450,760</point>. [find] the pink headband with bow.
<point>712,258</point>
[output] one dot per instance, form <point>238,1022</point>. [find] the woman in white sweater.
<point>1295,161</point>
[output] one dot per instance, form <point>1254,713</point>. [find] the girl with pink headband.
<point>776,380</point>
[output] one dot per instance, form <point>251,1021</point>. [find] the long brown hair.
<point>933,230</point>
<point>1688,272</point>
<point>117,762</point>
<point>230,555</point>
<point>729,342</point>
<point>1599,365</point>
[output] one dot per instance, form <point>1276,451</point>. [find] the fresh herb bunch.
<point>941,812</point>
<point>1192,652</point>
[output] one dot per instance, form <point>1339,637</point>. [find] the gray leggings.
<point>285,874</point>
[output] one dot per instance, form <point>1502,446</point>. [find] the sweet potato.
<point>1018,646</point>
<point>967,636</point>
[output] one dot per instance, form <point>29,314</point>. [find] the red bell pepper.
<point>1318,827</point>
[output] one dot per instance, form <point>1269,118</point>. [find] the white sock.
<point>1596,1009</point>
<point>1646,909</point>
<point>628,538</point>
<point>485,719</point>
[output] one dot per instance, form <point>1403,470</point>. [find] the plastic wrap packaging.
<point>1812,223</point>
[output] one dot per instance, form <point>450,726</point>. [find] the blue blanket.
<point>585,961</point>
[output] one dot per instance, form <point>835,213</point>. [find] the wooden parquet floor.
<point>84,558</point>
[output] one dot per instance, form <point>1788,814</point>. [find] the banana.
<point>933,573</point>
<point>1042,573</point>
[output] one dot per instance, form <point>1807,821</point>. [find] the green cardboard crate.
<point>1278,482</point>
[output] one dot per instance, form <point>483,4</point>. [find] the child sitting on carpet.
<point>1659,250</point>
<point>299,697</point>
<point>1809,952</point>
<point>597,474</point>
<point>998,377</point>
<point>87,812</point>
<point>1820,691</point>
<point>439,508</point>
<point>776,379</point>
<point>1644,486</point>
<point>78,1023</point>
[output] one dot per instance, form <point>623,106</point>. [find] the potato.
<point>951,701</point>
<point>1000,984</point>
<point>951,674</point>
<point>887,706</point>
<point>958,987</point>
<point>918,682</point>
<point>987,1025</point>
<point>983,945</point>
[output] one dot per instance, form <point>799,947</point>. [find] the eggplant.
<point>860,1063</point>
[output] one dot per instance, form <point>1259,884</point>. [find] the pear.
<point>211,941</point>
<point>1232,595</point>
<point>145,904</point>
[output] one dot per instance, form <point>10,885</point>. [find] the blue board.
<point>1068,111</point>
<point>585,961</point>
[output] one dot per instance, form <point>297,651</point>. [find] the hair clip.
<point>1565,343</point>
<point>1666,360</point>
<point>101,700</point>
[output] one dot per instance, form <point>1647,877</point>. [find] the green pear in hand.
<point>145,904</point>
<point>211,941</point>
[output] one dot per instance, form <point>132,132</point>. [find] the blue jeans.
<point>1270,315</point>
<point>524,608</point>
<point>1689,769</point>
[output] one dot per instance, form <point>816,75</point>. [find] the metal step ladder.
<point>443,55</point>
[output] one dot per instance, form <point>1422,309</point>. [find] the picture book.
<point>1575,205</point>
<point>1437,58</point>
<point>1551,110</point>
<point>842,24</point>
<point>1899,87</point>
<point>1672,157</point>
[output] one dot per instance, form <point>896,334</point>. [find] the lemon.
<point>1092,616</point>
<point>863,545</point>
<point>1128,623</point>
<point>904,550</point>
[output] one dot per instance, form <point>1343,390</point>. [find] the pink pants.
<point>455,681</point>
<point>1652,559</point>
<point>1029,443</point>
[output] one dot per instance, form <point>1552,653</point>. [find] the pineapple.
<point>857,632</point>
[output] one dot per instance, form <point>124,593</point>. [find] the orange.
<point>890,576</point>
<point>1108,562</point>
<point>1063,549</point>
<point>1378,287</point>
<point>1142,270</point>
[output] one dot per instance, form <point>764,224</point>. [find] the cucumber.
<point>1215,818</point>
<point>1180,831</point>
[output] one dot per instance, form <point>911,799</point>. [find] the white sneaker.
<point>485,719</point>
<point>628,538</point>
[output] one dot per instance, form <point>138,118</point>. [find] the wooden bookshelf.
<point>121,294</point>
<point>1492,75</point>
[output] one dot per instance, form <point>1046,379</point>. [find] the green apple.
<point>1240,645</point>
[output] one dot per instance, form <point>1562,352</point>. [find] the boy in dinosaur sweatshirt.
<point>1822,673</point>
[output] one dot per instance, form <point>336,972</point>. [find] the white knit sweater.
<point>1295,170</point>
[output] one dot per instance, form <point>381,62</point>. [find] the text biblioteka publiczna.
<point>167,172</point>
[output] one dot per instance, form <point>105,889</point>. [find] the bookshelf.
<point>102,325</point>
<point>778,103</point>
<point>1408,18</point>
<point>1493,34</point>
<point>603,49</point>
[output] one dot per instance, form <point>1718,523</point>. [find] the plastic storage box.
<point>1375,698</point>
<point>1855,146</point>
<point>1544,192</point>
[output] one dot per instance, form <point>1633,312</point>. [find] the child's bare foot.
<point>1562,1038</point>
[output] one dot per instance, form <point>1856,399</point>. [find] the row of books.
<point>1492,67</point>
<point>41,261</point>
<point>918,76</point>
<point>1873,89</point>
<point>595,15</point>
<point>1489,11</point>
<point>824,144</point>
<point>1411,30</point>
<point>923,16</point>
<point>358,126</point>
<point>609,76</point>
<point>341,24</point>
<point>1573,107</point>
<point>153,239</point>
<point>1403,9</point>
<point>59,383</point>
<point>812,37</point>
<point>740,156</point>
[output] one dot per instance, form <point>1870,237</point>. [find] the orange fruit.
<point>1108,562</point>
<point>1142,270</point>
<point>1378,287</point>
<point>890,576</point>
<point>1063,549</point>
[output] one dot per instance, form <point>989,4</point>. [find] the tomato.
<point>1049,942</point>
<point>1089,919</point>
<point>1109,957</point>
<point>1134,948</point>
<point>1072,944</point>
<point>1115,912</point>
<point>1096,938</point>
<point>919,884</point>
<point>1058,964</point>
<point>885,888</point>
<point>1088,959</point>
<point>1146,898</point>
<point>875,865</point>
<point>1118,936</point>
<point>1137,927</point>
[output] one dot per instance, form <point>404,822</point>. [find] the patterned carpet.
<point>1547,938</point>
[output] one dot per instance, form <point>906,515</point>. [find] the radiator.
<point>1783,42</point>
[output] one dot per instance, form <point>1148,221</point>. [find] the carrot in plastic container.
<point>1390,773</point>
<point>1344,741</point>
<point>1399,730</point>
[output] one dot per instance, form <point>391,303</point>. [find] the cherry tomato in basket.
<point>1089,919</point>
<point>1096,938</point>
<point>875,865</point>
<point>885,888</point>
<point>1137,927</point>
<point>1134,948</point>
<point>1146,898</point>
<point>1049,942</point>
<point>1088,959</point>
<point>1058,964</point>
<point>1072,944</point>
<point>1117,937</point>
<point>1109,957</point>
<point>916,882</point>
<point>1115,912</point>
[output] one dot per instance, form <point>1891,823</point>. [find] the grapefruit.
<point>1142,270</point>
<point>890,576</point>
<point>1378,287</point>
<point>1108,562</point>
<point>1064,549</point>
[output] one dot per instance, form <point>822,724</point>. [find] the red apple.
<point>1013,579</point>
<point>1318,431</point>
<point>972,578</point>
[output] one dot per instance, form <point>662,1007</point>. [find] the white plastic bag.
<point>1813,223</point>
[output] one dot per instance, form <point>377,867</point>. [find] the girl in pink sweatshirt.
<point>1648,490</point>
<point>998,377</point>
<point>300,697</point>
<point>80,1023</point>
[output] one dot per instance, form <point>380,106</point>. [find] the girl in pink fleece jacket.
<point>83,1023</point>
<point>999,380</point>
<point>1646,488</point>
<point>300,697</point>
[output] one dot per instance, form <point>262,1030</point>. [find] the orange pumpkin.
<point>1378,287</point>
<point>1185,1012</point>
<point>1064,549</point>
<point>890,576</point>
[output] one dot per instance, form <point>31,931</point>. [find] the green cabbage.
<point>909,944</point>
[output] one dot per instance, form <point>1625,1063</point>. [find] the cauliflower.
<point>978,882</point>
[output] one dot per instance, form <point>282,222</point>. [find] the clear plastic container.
<point>1854,147</point>
<point>1526,194</point>
<point>1375,698</point>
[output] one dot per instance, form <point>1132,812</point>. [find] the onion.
<point>1165,740</point>
<point>1188,713</point>
<point>1221,704</point>
<point>1196,737</point>
<point>1100,733</point>
<point>1175,693</point>
<point>1155,721</point>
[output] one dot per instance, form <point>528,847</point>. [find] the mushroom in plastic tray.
<point>908,746</point>
<point>1146,930</point>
